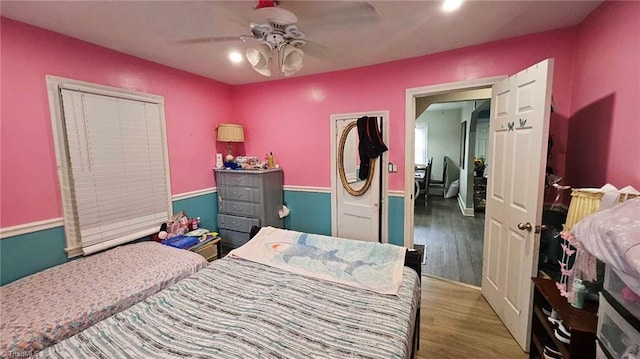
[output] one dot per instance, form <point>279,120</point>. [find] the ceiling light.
<point>451,5</point>
<point>235,57</point>
<point>272,57</point>
<point>260,59</point>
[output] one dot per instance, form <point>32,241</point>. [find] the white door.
<point>358,217</point>
<point>518,132</point>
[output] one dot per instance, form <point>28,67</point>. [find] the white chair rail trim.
<point>31,227</point>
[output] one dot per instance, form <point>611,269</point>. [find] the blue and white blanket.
<point>372,266</point>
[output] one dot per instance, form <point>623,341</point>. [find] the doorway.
<point>417,101</point>
<point>444,218</point>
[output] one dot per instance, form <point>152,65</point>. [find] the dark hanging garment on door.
<point>370,143</point>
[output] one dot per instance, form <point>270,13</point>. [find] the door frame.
<point>409,146</point>
<point>384,158</point>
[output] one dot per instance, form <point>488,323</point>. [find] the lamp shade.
<point>259,57</point>
<point>230,133</point>
<point>291,60</point>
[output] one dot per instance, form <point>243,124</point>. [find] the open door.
<point>518,132</point>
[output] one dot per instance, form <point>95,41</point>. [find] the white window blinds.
<point>115,182</point>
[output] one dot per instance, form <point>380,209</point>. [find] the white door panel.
<point>358,217</point>
<point>518,133</point>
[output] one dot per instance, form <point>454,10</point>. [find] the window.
<point>113,164</point>
<point>422,139</point>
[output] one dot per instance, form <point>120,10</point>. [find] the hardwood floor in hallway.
<point>453,242</point>
<point>458,323</point>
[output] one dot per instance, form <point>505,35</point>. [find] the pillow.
<point>613,236</point>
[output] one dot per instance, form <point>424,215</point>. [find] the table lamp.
<point>230,133</point>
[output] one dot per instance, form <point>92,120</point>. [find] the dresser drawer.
<point>240,208</point>
<point>615,334</point>
<point>241,179</point>
<point>233,239</point>
<point>245,194</point>
<point>240,224</point>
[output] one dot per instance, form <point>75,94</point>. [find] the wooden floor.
<point>456,322</point>
<point>453,241</point>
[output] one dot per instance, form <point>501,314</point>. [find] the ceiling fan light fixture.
<point>260,58</point>
<point>291,60</point>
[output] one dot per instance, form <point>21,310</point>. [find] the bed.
<point>50,306</point>
<point>240,308</point>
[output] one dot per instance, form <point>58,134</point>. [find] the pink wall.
<point>28,177</point>
<point>291,117</point>
<point>605,127</point>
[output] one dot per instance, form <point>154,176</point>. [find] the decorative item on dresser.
<point>245,199</point>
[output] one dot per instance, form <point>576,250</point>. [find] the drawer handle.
<point>237,208</point>
<point>235,224</point>
<point>237,194</point>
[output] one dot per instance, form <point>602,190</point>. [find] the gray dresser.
<point>247,198</point>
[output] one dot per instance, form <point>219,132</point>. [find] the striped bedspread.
<point>240,309</point>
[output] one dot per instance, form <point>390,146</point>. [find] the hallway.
<point>453,242</point>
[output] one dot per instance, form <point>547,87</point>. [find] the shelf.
<point>581,323</point>
<point>547,326</point>
<point>582,320</point>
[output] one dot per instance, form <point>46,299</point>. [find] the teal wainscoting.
<point>310,212</point>
<point>204,206</point>
<point>29,253</point>
<point>396,220</point>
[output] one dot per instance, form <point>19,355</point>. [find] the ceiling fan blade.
<point>333,13</point>
<point>315,49</point>
<point>205,40</point>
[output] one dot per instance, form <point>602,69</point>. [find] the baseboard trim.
<point>467,212</point>
<point>31,227</point>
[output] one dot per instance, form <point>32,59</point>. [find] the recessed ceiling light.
<point>450,5</point>
<point>235,57</point>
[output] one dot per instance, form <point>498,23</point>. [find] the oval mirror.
<point>349,162</point>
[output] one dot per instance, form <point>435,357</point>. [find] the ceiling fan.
<point>275,43</point>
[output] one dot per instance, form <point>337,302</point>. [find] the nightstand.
<point>210,250</point>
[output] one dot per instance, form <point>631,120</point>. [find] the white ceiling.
<point>342,34</point>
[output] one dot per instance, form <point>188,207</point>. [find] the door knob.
<point>525,226</point>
